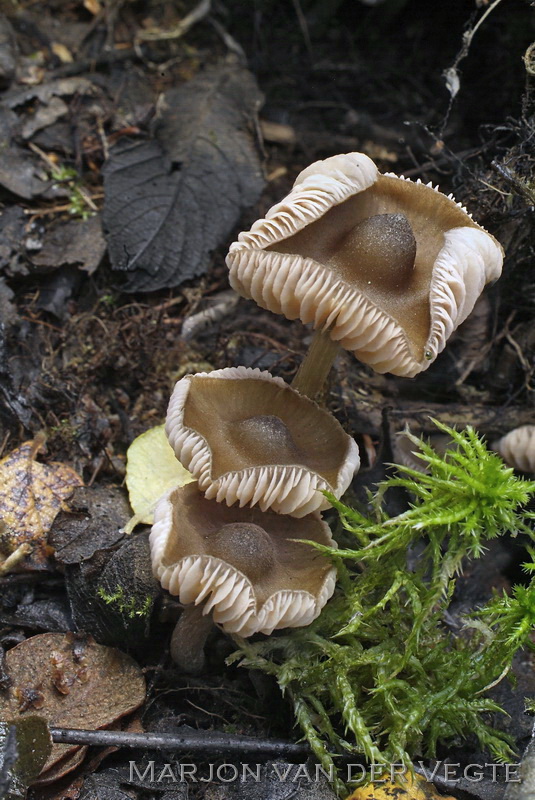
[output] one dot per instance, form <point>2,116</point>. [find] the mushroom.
<point>382,266</point>
<point>238,565</point>
<point>517,448</point>
<point>247,436</point>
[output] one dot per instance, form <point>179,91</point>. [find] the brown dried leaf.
<point>76,683</point>
<point>31,494</point>
<point>61,768</point>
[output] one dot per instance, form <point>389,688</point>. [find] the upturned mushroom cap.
<point>389,267</point>
<point>249,438</point>
<point>517,448</point>
<point>241,563</point>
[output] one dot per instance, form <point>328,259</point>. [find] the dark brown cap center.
<point>383,249</point>
<point>245,546</point>
<point>268,436</point>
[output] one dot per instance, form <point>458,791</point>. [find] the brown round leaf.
<point>71,683</point>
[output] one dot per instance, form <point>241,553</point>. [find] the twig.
<point>157,34</point>
<point>451,74</point>
<point>204,742</point>
<point>15,558</point>
<point>443,160</point>
<point>303,26</point>
<point>92,64</point>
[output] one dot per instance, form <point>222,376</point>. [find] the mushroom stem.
<point>316,365</point>
<point>189,638</point>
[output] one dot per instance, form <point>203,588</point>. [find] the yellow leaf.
<point>62,52</point>
<point>31,494</point>
<point>152,469</point>
<point>93,6</point>
<point>410,787</point>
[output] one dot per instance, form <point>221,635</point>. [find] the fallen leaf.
<point>9,51</point>
<point>62,52</point>
<point>21,172</point>
<point>8,758</point>
<point>414,787</point>
<point>113,596</point>
<point>45,116</point>
<point>93,522</point>
<point>171,200</point>
<point>44,92</point>
<point>62,767</point>
<point>77,242</point>
<point>26,745</point>
<point>151,470</point>
<point>34,745</point>
<point>71,683</point>
<point>31,494</point>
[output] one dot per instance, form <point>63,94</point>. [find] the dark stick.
<point>205,742</point>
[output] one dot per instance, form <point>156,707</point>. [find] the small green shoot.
<point>383,672</point>
<point>80,205</point>
<point>126,605</point>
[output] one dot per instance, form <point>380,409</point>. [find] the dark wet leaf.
<point>56,291</point>
<point>21,172</point>
<point>8,757</point>
<point>4,677</point>
<point>25,746</point>
<point>33,745</point>
<point>524,785</point>
<point>44,93</point>
<point>25,112</point>
<point>135,97</point>
<point>20,236</point>
<point>104,786</point>
<point>278,780</point>
<point>72,683</point>
<point>8,311</point>
<point>50,615</point>
<point>171,200</point>
<point>93,523</point>
<point>78,243</point>
<point>58,137</point>
<point>511,694</point>
<point>150,775</point>
<point>13,405</point>
<point>8,52</point>
<point>113,597</point>
<point>45,116</point>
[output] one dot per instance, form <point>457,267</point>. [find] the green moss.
<point>78,203</point>
<point>381,673</point>
<point>126,605</point>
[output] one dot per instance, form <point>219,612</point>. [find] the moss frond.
<point>380,673</point>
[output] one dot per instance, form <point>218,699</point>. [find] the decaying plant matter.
<point>382,662</point>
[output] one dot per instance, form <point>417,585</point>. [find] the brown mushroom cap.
<point>247,436</point>
<point>517,448</point>
<point>241,563</point>
<point>389,267</point>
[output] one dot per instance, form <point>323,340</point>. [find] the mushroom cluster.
<point>381,266</point>
<point>251,441</point>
